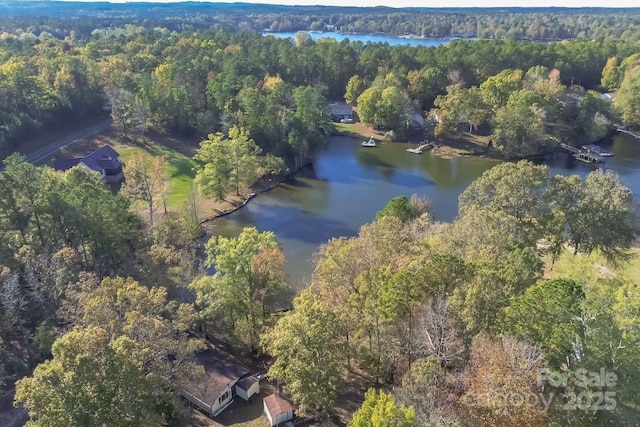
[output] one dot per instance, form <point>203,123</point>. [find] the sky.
<point>438,3</point>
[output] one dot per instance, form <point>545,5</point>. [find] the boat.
<point>596,149</point>
<point>370,143</point>
<point>414,150</point>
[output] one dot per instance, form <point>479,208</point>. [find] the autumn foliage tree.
<point>379,409</point>
<point>146,180</point>
<point>501,384</point>
<point>310,371</point>
<point>94,379</point>
<point>247,284</point>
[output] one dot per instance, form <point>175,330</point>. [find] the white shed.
<point>277,410</point>
<point>247,387</point>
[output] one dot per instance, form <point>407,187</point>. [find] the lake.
<point>350,183</point>
<point>364,38</point>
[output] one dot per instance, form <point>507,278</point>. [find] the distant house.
<point>225,378</point>
<point>607,97</point>
<point>104,160</point>
<point>277,410</point>
<point>341,111</point>
<point>417,121</point>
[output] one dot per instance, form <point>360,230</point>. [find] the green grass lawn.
<point>180,169</point>
<point>177,152</point>
<point>579,266</point>
<point>633,268</point>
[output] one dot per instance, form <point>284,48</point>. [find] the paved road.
<point>55,146</point>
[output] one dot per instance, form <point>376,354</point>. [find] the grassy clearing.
<point>633,267</point>
<point>180,170</point>
<point>177,153</point>
<point>568,265</point>
<point>357,130</point>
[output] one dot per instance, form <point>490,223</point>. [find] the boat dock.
<point>423,146</point>
<point>623,130</point>
<point>588,153</point>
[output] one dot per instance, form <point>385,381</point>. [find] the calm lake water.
<point>350,183</point>
<point>364,38</point>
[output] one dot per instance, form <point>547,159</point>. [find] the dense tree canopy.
<point>446,312</point>
<point>94,380</point>
<point>206,81</point>
<point>311,370</point>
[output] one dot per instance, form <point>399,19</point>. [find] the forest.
<point>548,23</point>
<point>521,299</point>
<point>198,83</point>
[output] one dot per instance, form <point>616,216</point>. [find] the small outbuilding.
<point>277,410</point>
<point>247,387</point>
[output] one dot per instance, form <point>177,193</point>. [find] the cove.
<point>349,184</point>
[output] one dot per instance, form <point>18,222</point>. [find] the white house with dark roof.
<point>105,160</point>
<point>340,110</point>
<point>225,378</point>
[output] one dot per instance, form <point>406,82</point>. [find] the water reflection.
<point>350,183</point>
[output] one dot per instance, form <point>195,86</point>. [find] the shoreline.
<point>262,185</point>
<point>462,145</point>
<point>444,150</point>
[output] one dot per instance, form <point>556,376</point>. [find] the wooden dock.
<point>623,130</point>
<point>585,156</point>
<point>423,146</point>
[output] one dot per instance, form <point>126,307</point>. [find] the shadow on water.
<point>411,181</point>
<point>296,184</point>
<point>370,160</point>
<point>292,223</point>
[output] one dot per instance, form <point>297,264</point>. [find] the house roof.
<point>103,158</point>
<point>341,107</point>
<point>220,369</point>
<point>277,405</point>
<point>65,164</point>
<point>246,383</point>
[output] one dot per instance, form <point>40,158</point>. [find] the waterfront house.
<point>105,160</point>
<point>225,378</point>
<point>340,111</point>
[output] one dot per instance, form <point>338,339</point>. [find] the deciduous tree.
<point>547,315</point>
<point>611,75</point>
<point>598,213</point>
<point>354,89</point>
<point>379,409</point>
<point>310,370</point>
<point>247,284</point>
<point>229,163</point>
<point>627,99</point>
<point>122,307</point>
<point>146,179</point>
<point>498,372</point>
<point>94,379</point>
